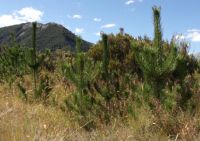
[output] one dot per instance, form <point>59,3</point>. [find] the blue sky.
<point>88,17</point>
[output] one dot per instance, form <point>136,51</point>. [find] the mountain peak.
<point>50,35</point>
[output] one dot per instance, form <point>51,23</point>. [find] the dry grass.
<point>24,121</point>
<point>32,121</point>
<point>20,121</point>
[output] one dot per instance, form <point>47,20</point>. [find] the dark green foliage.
<point>157,27</point>
<point>44,88</point>
<point>35,64</point>
<point>40,85</point>
<point>82,72</point>
<point>48,61</point>
<point>12,62</point>
<point>155,62</point>
<point>106,56</point>
<point>78,45</point>
<point>185,65</point>
<point>111,85</point>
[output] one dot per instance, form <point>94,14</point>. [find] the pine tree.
<point>157,28</point>
<point>82,72</point>
<point>34,61</point>
<point>12,61</point>
<point>41,84</point>
<point>155,62</point>
<point>105,56</point>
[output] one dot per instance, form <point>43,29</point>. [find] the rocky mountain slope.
<point>51,35</point>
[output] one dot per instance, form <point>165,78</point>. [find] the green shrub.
<point>155,63</point>
<point>81,73</point>
<point>34,60</point>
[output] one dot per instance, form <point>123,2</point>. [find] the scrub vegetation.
<point>122,88</point>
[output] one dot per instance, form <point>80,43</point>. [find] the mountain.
<point>51,35</point>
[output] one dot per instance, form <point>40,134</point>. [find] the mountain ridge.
<point>49,36</point>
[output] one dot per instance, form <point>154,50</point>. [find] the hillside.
<point>51,35</point>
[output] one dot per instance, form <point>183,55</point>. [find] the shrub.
<point>155,63</point>
<point>81,73</point>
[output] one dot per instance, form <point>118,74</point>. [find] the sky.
<point>87,18</point>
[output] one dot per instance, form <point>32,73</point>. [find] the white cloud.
<point>129,2</point>
<point>193,30</point>
<point>108,26</point>
<point>98,34</point>
<point>132,1</point>
<point>191,35</point>
<point>97,19</point>
<point>79,30</point>
<point>76,17</point>
<point>27,14</point>
<point>30,14</point>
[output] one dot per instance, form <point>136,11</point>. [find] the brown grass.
<point>33,121</point>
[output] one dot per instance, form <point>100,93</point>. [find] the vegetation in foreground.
<point>123,88</point>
